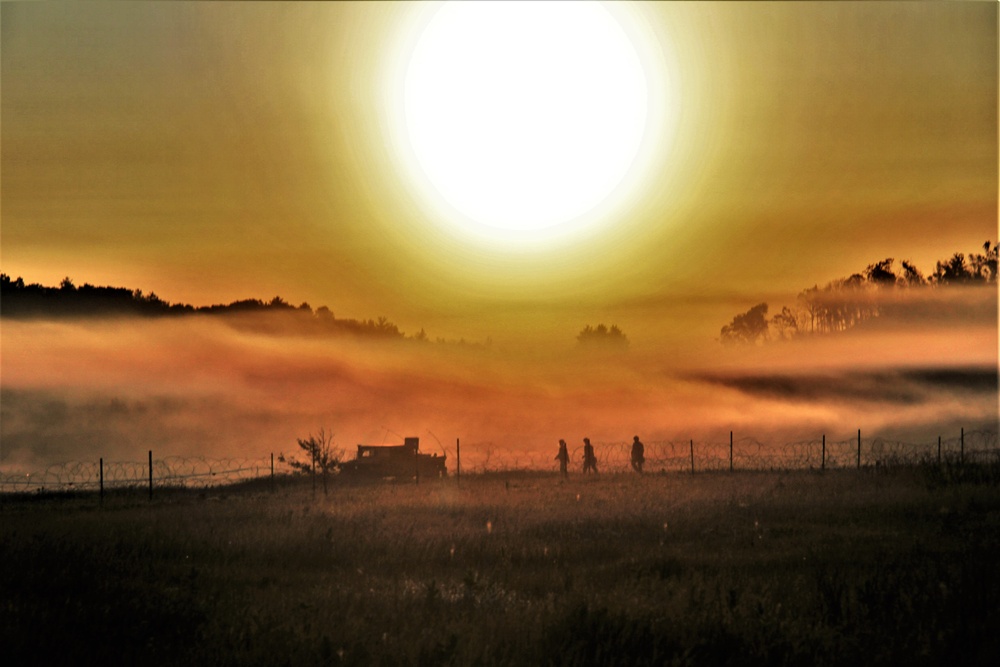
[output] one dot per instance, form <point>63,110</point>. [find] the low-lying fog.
<point>197,386</point>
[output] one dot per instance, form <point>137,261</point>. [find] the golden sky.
<point>216,151</point>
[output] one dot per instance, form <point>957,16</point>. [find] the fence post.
<point>458,461</point>
<point>101,466</point>
<point>151,474</point>
<point>692,456</point>
<point>822,465</point>
<point>961,453</point>
<point>859,449</point>
<point>730,451</point>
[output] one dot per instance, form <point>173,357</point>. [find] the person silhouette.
<point>638,454</point>
<point>563,458</point>
<point>589,459</point>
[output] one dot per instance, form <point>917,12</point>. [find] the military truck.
<point>394,461</point>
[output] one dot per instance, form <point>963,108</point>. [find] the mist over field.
<point>76,390</point>
<point>791,250</point>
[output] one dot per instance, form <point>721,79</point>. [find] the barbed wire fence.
<point>746,454</point>
<point>171,471</point>
<point>734,454</point>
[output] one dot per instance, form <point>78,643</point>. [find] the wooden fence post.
<point>151,474</point>
<point>692,456</point>
<point>822,464</point>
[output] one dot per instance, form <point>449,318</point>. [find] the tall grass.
<point>747,568</point>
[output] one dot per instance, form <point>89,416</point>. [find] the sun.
<point>524,117</point>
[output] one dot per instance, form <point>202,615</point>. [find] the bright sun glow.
<point>524,116</point>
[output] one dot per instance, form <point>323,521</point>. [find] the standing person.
<point>589,459</point>
<point>638,454</point>
<point>563,458</point>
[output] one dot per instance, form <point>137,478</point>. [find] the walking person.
<point>638,454</point>
<point>563,458</point>
<point>589,459</point>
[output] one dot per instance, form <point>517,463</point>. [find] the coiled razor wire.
<point>979,447</point>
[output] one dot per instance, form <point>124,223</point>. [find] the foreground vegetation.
<point>805,568</point>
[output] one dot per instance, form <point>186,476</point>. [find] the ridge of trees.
<point>847,302</point>
<point>19,300</point>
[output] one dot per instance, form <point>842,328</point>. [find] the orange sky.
<point>219,151</point>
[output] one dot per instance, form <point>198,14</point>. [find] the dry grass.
<point>523,568</point>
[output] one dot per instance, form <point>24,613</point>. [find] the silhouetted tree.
<point>953,271</point>
<point>852,303</point>
<point>278,302</point>
<point>881,273</point>
<point>320,457</point>
<point>810,297</point>
<point>749,327</point>
<point>383,325</point>
<point>985,265</point>
<point>785,323</point>
<point>324,313</point>
<point>912,277</point>
<point>603,335</point>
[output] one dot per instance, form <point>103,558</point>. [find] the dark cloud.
<point>896,386</point>
<point>973,380</point>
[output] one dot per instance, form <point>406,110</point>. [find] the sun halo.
<point>525,121</point>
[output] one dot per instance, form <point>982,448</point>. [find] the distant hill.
<point>19,300</point>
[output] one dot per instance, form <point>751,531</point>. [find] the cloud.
<point>905,386</point>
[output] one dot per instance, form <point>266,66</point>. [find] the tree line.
<point>19,300</point>
<point>847,302</point>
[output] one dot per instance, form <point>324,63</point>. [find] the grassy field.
<point>796,568</point>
